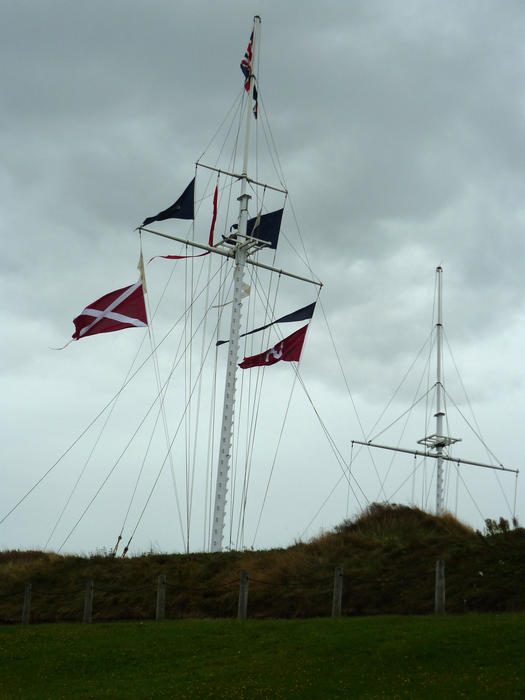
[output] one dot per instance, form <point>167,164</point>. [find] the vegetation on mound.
<point>388,555</point>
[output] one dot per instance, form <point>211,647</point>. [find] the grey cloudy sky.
<point>400,129</point>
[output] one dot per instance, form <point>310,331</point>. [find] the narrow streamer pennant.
<point>246,289</point>
<point>303,314</point>
<point>214,216</point>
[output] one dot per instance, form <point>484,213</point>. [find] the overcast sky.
<point>400,129</point>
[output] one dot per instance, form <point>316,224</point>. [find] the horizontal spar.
<point>229,254</point>
<point>435,456</point>
<point>240,177</point>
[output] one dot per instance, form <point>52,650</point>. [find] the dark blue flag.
<point>181,209</point>
<point>265,227</point>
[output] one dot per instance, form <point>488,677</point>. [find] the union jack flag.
<point>246,67</point>
<point>246,63</point>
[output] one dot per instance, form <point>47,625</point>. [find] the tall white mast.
<point>439,399</point>
<point>241,253</point>
<point>238,247</point>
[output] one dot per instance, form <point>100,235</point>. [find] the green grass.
<point>474,656</point>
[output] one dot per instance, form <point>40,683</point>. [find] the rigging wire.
<point>233,110</point>
<point>428,403</point>
<point>339,457</point>
<point>201,269</point>
<point>432,343</point>
<point>162,412</point>
<point>270,142</point>
<point>181,420</point>
<point>489,452</point>
<point>208,527</point>
<point>255,403</point>
<point>252,422</point>
<point>279,171</point>
<point>410,476</point>
<point>401,435</point>
<point>108,475</point>
<point>319,510</point>
<point>396,391</point>
<point>348,484</point>
<point>134,492</point>
<point>236,451</point>
<point>134,434</point>
<point>474,503</point>
<point>346,472</point>
<point>161,404</point>
<point>188,346</point>
<point>198,408</point>
<point>108,417</point>
<point>90,455</point>
<point>346,381</point>
<point>401,416</point>
<point>476,432</point>
<point>266,491</point>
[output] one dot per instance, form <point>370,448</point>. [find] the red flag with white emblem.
<point>288,350</point>
<point>123,308</point>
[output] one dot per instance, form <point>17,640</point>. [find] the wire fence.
<point>161,599</point>
<point>287,596</point>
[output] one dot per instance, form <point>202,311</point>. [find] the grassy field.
<point>473,656</point>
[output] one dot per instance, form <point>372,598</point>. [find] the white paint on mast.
<point>439,399</point>
<point>241,253</point>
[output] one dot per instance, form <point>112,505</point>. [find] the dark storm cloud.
<point>400,127</point>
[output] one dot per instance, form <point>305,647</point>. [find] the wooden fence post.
<point>338,592</point>
<point>439,595</point>
<point>88,603</point>
<point>160,611</point>
<point>26,610</point>
<point>242,610</point>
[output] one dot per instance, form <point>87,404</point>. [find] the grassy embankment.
<point>477,656</point>
<point>388,555</point>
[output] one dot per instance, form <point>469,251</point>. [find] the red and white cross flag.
<point>123,308</point>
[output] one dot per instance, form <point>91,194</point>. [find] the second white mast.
<point>438,441</point>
